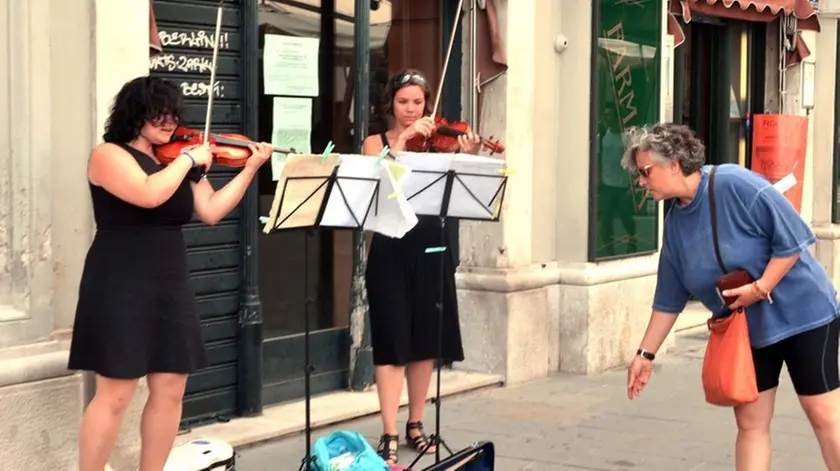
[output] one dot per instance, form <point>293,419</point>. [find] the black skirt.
<point>136,312</point>
<point>403,289</point>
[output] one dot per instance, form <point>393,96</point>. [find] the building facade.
<point>563,282</point>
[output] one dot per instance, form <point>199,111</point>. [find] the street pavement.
<point>576,422</point>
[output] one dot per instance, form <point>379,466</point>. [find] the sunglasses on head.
<point>412,78</point>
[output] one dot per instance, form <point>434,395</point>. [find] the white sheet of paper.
<point>786,183</point>
<point>393,216</point>
<point>477,186</point>
<point>349,199</point>
<point>291,128</point>
<point>290,65</point>
<point>387,212</point>
<point>475,190</point>
<point>424,186</point>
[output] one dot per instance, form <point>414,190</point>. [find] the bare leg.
<point>419,376</point>
<point>824,413</point>
<point>752,449</point>
<point>160,420</point>
<point>389,382</point>
<point>102,421</point>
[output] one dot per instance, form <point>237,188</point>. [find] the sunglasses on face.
<point>644,171</point>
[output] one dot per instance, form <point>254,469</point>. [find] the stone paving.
<point>571,422</point>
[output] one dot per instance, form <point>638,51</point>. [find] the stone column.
<point>530,303</point>
<point>822,121</point>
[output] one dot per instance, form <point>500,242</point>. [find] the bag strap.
<point>713,214</point>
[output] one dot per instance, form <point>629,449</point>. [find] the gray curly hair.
<point>666,142</point>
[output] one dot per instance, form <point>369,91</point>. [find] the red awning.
<point>750,10</point>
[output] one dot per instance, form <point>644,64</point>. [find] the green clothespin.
<point>385,151</point>
<point>263,219</point>
<point>327,151</point>
<point>436,249</point>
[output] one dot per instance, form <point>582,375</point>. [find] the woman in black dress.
<point>136,314</point>
<point>403,282</point>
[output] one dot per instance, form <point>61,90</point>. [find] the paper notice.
<point>291,128</point>
<point>786,183</point>
<point>290,65</point>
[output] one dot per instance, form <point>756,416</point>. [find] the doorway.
<point>719,84</point>
<point>403,33</point>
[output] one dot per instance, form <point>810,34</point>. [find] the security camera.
<point>561,42</point>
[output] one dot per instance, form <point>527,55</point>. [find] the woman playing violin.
<point>136,315</point>
<point>403,283</point>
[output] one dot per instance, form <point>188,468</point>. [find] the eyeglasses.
<point>644,171</point>
<point>413,78</point>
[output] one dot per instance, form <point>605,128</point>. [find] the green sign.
<point>627,71</point>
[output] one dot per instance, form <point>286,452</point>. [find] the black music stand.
<point>335,198</point>
<point>485,207</point>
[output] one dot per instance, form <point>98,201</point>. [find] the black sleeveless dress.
<point>136,312</point>
<point>403,288</point>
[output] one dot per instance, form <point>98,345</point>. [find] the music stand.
<point>478,184</point>
<point>320,198</point>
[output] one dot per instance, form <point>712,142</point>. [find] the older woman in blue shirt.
<point>761,232</point>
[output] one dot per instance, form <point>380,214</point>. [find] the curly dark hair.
<point>142,99</point>
<point>402,79</point>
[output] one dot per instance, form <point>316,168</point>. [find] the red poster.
<point>779,144</point>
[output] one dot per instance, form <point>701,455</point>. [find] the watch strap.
<point>645,354</point>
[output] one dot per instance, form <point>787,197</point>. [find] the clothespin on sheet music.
<point>385,151</point>
<point>327,151</point>
<point>507,171</point>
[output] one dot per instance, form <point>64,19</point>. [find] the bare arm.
<point>659,325</point>
<point>776,269</point>
<point>212,206</point>
<point>118,173</point>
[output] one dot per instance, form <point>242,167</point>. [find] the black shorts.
<point>811,359</point>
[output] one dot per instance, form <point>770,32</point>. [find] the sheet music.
<point>424,191</point>
<point>395,216</point>
<point>350,199</point>
<point>476,188</point>
<point>295,212</point>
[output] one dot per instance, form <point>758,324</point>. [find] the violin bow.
<point>448,55</point>
<point>211,90</point>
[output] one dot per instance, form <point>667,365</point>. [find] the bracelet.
<point>187,153</point>
<point>761,292</point>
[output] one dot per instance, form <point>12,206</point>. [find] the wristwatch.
<point>645,354</point>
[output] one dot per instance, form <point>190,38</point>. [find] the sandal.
<point>420,441</point>
<point>389,453</point>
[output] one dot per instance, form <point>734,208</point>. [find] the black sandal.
<point>390,454</point>
<point>420,442</point>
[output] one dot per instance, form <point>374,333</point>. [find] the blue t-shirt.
<point>755,222</point>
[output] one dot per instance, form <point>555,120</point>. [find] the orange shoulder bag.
<point>728,369</point>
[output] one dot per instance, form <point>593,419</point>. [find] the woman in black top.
<point>136,314</point>
<point>403,282</point>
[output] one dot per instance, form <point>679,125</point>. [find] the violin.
<point>229,149</point>
<point>444,138</point>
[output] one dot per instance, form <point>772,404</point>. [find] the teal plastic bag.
<point>346,451</point>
